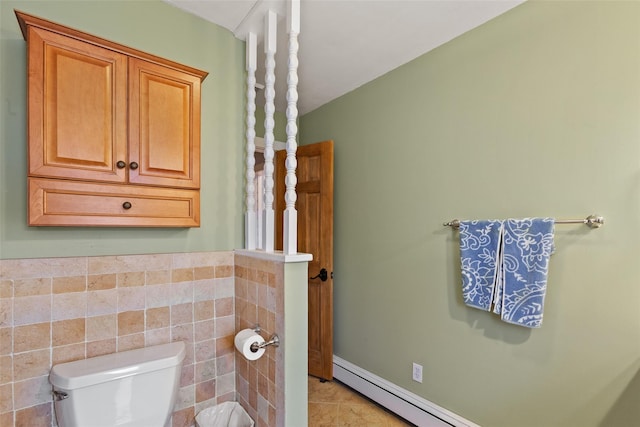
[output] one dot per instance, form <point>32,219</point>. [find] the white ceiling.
<point>347,43</point>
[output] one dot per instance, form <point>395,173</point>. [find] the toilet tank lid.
<point>100,369</point>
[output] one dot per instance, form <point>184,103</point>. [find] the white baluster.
<point>269,123</point>
<point>290,226</point>
<point>250,226</point>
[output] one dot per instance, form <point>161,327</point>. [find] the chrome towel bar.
<point>592,221</point>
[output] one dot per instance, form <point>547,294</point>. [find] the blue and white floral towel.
<point>505,265</point>
<point>479,245</point>
<point>527,245</point>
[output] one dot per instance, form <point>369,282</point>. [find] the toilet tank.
<point>130,388</point>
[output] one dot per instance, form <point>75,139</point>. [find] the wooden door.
<point>315,236</point>
<point>164,126</point>
<point>77,109</point>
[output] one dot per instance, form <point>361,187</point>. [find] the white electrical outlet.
<point>417,372</point>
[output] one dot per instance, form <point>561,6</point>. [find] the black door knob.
<point>133,165</point>
<point>121,164</point>
<point>126,205</point>
<point>323,275</point>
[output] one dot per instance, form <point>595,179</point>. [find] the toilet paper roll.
<point>243,341</point>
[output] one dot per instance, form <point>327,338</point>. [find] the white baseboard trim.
<point>409,406</point>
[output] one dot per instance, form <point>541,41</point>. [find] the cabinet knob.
<point>121,164</point>
<point>126,205</point>
<point>133,165</point>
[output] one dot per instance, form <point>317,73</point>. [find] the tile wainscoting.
<point>271,291</point>
<point>259,300</point>
<point>56,310</point>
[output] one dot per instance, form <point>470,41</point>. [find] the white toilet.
<point>131,388</point>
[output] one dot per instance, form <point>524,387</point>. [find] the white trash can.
<point>226,414</point>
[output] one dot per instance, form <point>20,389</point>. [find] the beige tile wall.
<point>259,291</point>
<point>62,309</point>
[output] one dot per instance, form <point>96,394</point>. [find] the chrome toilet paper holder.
<point>274,340</point>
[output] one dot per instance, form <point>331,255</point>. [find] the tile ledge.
<point>278,256</point>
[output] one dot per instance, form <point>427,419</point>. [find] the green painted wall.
<point>296,336</point>
<point>536,113</point>
<point>155,27</point>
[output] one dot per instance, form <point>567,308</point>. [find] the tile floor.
<point>333,404</point>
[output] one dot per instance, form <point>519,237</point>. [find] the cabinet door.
<point>77,109</point>
<point>164,126</point>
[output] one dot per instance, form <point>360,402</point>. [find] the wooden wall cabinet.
<point>113,132</point>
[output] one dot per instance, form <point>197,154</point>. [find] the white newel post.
<point>290,226</point>
<point>251,217</point>
<point>270,37</point>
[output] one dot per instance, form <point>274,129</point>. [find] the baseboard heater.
<point>409,406</point>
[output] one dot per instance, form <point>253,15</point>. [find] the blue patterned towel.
<point>527,245</point>
<point>479,245</point>
<point>505,265</point>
